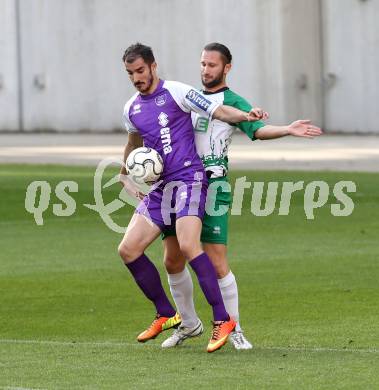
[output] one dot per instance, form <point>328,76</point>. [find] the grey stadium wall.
<point>61,69</point>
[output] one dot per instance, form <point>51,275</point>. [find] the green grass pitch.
<point>70,311</point>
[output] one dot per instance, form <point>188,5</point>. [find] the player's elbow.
<point>218,113</point>
<point>134,141</point>
<point>259,134</point>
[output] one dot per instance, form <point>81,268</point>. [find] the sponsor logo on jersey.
<point>165,133</point>
<point>160,100</point>
<point>136,109</point>
<point>201,124</point>
<point>217,230</point>
<point>163,119</point>
<point>198,99</point>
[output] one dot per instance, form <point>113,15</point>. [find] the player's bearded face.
<point>140,74</point>
<point>144,84</point>
<point>212,69</point>
<point>211,81</point>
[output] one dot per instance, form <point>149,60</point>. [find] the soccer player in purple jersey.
<point>159,116</point>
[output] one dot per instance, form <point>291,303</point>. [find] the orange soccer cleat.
<point>220,334</point>
<point>159,325</point>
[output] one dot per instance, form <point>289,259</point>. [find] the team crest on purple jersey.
<point>160,100</point>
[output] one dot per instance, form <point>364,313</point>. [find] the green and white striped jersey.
<point>213,137</point>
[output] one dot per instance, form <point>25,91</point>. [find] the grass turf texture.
<point>70,312</point>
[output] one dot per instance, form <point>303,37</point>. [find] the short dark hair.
<point>222,49</point>
<point>138,50</point>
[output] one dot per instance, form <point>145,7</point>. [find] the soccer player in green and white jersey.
<point>212,141</point>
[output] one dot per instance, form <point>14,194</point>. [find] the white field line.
<point>121,344</point>
<point>18,388</point>
<point>236,153</point>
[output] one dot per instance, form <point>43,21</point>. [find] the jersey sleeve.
<point>190,99</point>
<point>130,128</point>
<point>249,128</point>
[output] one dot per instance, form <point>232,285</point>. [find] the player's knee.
<point>128,252</point>
<point>169,263</point>
<point>221,269</point>
<point>219,260</point>
<point>173,264</point>
<point>123,252</point>
<point>189,249</point>
<point>221,266</point>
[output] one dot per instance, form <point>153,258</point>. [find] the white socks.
<point>229,292</point>
<point>181,288</point>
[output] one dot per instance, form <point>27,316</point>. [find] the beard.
<point>215,82</point>
<point>145,86</point>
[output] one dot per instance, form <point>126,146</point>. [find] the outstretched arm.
<point>299,128</point>
<point>234,115</point>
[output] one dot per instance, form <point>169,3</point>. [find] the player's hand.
<point>304,128</point>
<point>123,172</point>
<point>257,114</point>
<point>129,186</point>
<point>122,178</point>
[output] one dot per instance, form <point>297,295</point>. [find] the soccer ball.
<point>145,165</point>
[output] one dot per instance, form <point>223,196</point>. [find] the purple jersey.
<point>163,119</point>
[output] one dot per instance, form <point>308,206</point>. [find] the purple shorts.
<point>173,199</point>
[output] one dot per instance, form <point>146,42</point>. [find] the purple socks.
<point>206,275</point>
<point>147,278</point>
